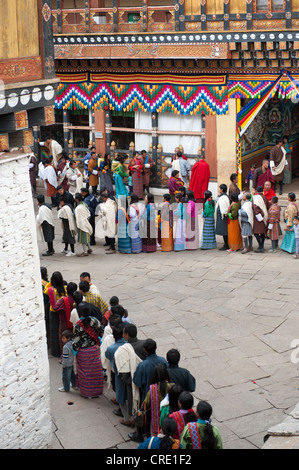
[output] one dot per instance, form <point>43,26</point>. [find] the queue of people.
<point>96,342</point>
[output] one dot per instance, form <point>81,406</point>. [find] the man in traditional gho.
<point>62,167</point>
<point>260,206</point>
<point>108,215</point>
<point>50,178</point>
<point>277,163</point>
<point>82,215</point>
<point>221,211</point>
<point>45,224</point>
<point>234,188</point>
<point>93,171</point>
<point>69,227</point>
<point>261,175</point>
<point>274,223</point>
<point>54,148</point>
<point>183,166</point>
<point>32,173</point>
<point>148,164</point>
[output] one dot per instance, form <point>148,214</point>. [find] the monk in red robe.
<point>199,182</point>
<point>268,191</point>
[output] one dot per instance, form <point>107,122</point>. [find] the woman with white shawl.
<point>246,221</point>
<point>69,226</point>
<point>45,224</point>
<point>221,212</point>
<point>74,178</point>
<point>82,214</point>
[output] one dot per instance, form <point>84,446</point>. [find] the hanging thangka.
<point>177,94</point>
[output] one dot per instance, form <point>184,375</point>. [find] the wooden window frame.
<point>269,9</point>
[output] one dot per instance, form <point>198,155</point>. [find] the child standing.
<point>246,216</point>
<point>68,374</point>
<point>295,229</point>
<point>273,223</point>
<point>249,178</point>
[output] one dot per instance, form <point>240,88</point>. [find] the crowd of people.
<point>125,212</point>
<point>96,341</point>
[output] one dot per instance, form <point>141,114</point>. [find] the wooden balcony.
<point>188,16</point>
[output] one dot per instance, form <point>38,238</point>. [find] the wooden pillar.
<point>226,14</point>
<point>176,15</point>
<point>100,132</point>
<point>66,131</point>
<point>87,16</point>
<point>211,144</point>
<point>157,169</point>
<point>288,14</point>
<point>115,15</point>
<point>203,16</point>
<point>46,38</point>
<point>144,15</point>
<point>182,15</point>
<point>249,14</point>
<point>59,7</point>
<point>108,124</point>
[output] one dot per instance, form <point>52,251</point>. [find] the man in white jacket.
<point>108,214</point>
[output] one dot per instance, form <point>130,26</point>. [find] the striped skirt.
<point>149,244</point>
<point>192,231</point>
<point>90,378</point>
<point>136,241</point>
<point>83,237</point>
<point>208,241</point>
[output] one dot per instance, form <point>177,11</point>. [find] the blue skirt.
<point>136,240</point>
<point>208,241</point>
<point>289,242</point>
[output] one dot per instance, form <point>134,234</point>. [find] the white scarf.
<point>247,207</point>
<point>56,150</point>
<point>259,201</point>
<point>50,175</point>
<point>280,167</point>
<point>44,215</point>
<point>105,361</point>
<point>66,213</point>
<point>126,361</point>
<point>223,203</point>
<point>82,214</point>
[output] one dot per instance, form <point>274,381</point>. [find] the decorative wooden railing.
<point>116,19</point>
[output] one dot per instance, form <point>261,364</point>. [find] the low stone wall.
<point>25,418</point>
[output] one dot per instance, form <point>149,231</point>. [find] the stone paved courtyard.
<point>233,318</point>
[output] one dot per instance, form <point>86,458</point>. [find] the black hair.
<point>190,195</point>
<point>63,199</point>
<point>259,189</point>
<point>84,286</point>
<point>160,376</point>
<point>173,396</point>
<point>58,283</point>
<point>71,288</point>
<point>131,330</point>
<point>118,310</point>
<point>173,357</point>
<point>85,274</point>
<point>207,195</point>
<point>234,197</point>
<point>286,137</point>
<point>150,198</point>
<point>105,194</point>
<point>84,190</point>
<point>274,199</point>
<point>168,428</point>
<point>186,402</point>
<point>292,196</point>
<point>115,320</point>
<point>204,411</point>
<point>134,198</point>
<point>114,301</point>
<point>296,217</point>
<point>44,273</point>
<point>179,153</point>
<point>174,173</point>
<point>233,176</point>
<point>79,196</point>
<point>167,197</point>
<point>223,187</point>
<point>118,331</point>
<point>248,196</point>
<point>150,346</point>
<point>40,198</point>
<point>84,312</point>
<point>77,297</point>
<point>68,334</point>
<point>277,141</point>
